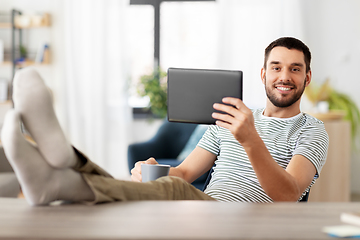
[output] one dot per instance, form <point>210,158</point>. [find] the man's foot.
<point>33,101</point>
<point>40,182</point>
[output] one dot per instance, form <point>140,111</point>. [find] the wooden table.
<point>169,220</point>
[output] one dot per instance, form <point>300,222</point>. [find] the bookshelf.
<point>18,23</point>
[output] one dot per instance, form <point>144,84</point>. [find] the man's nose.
<point>285,75</point>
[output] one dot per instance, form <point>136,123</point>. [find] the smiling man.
<point>262,155</point>
<point>284,72</point>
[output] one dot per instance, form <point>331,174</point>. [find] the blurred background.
<point>98,50</point>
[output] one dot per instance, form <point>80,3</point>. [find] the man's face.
<point>285,77</point>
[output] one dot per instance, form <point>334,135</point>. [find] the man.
<point>264,155</point>
<point>281,163</point>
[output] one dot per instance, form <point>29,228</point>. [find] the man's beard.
<point>283,103</point>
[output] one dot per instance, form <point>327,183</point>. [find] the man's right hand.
<point>136,171</point>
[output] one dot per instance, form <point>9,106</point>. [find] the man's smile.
<point>284,88</point>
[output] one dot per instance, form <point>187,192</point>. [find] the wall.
<point>332,31</point>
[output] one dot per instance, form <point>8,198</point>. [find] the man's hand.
<point>239,119</point>
<point>136,171</point>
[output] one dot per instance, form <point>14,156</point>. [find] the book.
<point>351,218</point>
<point>342,231</point>
<point>42,55</point>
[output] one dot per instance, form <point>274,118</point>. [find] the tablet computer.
<point>192,93</point>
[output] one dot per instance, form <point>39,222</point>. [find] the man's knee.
<point>178,189</point>
<point>177,181</point>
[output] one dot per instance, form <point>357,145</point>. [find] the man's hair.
<point>289,43</point>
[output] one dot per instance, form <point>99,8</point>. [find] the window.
<point>188,39</point>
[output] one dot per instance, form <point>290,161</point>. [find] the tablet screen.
<point>192,93</point>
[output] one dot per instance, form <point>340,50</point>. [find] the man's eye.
<point>276,68</point>
<point>296,70</point>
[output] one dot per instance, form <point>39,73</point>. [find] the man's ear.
<point>263,71</point>
<point>308,78</point>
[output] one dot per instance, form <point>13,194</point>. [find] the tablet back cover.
<point>192,93</point>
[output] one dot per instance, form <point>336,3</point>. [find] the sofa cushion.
<point>192,142</point>
<point>9,185</point>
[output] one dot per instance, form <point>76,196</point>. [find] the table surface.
<point>169,220</point>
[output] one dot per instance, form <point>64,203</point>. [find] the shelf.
<point>30,27</point>
<point>32,21</point>
<point>30,63</point>
<point>5,63</point>
<point>5,103</point>
<point>24,64</point>
<point>20,21</point>
<point>5,25</point>
<point>331,115</point>
<point>27,21</point>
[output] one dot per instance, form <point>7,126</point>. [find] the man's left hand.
<point>237,118</point>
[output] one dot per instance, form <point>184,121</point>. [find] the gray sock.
<point>40,182</point>
<point>33,101</point>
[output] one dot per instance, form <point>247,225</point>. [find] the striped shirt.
<point>234,179</point>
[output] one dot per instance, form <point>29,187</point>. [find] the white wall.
<point>332,31</point>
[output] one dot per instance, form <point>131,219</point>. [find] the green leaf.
<point>154,86</point>
<point>341,101</point>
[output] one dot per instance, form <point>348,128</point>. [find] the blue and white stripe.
<point>234,179</point>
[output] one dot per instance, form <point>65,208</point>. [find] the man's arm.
<point>196,164</point>
<point>279,184</point>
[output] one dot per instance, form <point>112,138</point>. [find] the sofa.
<point>9,185</point>
<point>170,145</point>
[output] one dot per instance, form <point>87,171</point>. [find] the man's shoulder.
<point>312,126</point>
<point>311,120</point>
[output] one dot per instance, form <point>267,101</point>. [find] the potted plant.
<point>338,103</point>
<point>154,86</point>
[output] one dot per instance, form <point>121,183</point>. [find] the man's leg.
<point>33,101</point>
<point>166,188</point>
<point>41,183</point>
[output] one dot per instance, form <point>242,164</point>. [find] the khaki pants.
<point>108,189</point>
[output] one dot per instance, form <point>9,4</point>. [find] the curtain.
<point>97,113</point>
